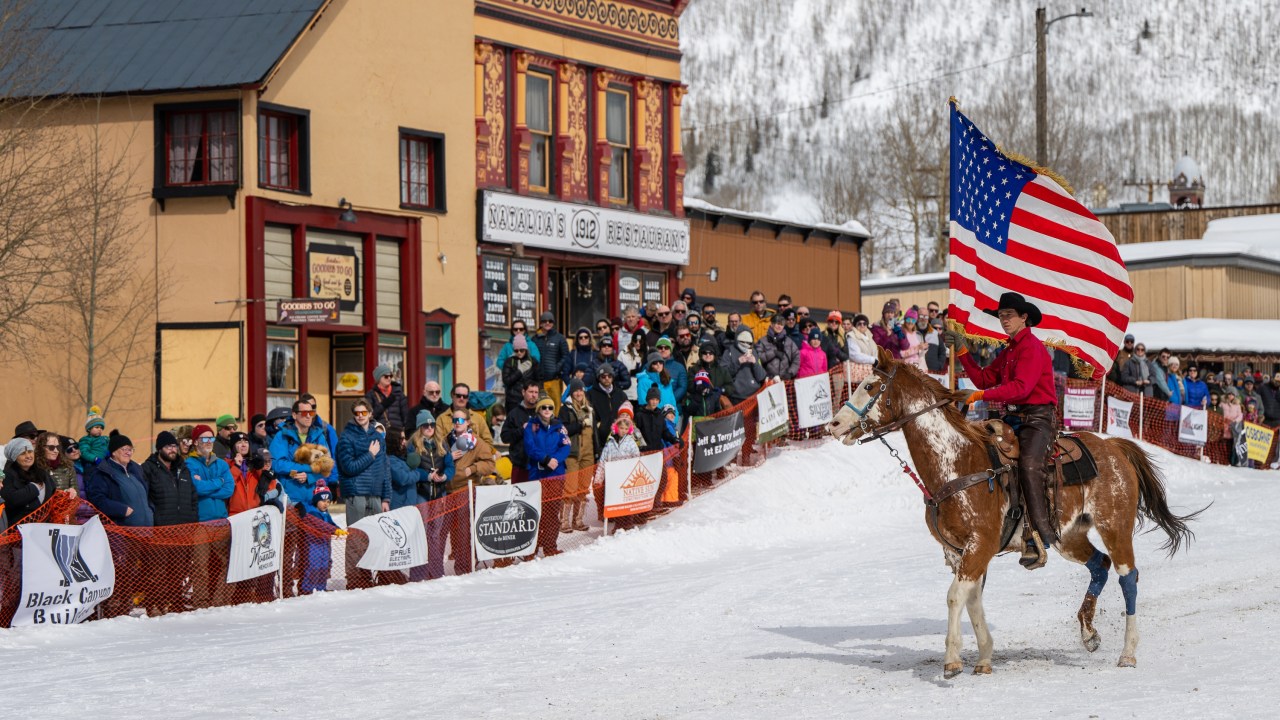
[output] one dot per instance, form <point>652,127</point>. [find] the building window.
<point>283,149</point>
<point>197,150</point>
<point>421,170</point>
<point>618,134</point>
<point>537,116</point>
<point>438,342</point>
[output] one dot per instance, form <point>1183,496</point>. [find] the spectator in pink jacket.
<point>888,333</point>
<point>914,345</point>
<point>813,359</point>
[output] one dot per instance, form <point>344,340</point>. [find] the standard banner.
<point>717,442</point>
<point>630,485</point>
<point>1118,412</point>
<point>1077,407</point>
<point>771,404</point>
<point>397,540</point>
<point>1193,425</point>
<point>1259,439</point>
<point>66,571</point>
<point>506,520</point>
<point>257,543</point>
<point>813,401</point>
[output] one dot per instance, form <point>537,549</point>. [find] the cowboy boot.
<point>1035,549</point>
<point>579,506</point>
<point>565,512</point>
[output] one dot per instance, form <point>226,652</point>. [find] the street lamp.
<point>1042,90</point>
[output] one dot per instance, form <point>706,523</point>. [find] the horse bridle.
<point>869,433</point>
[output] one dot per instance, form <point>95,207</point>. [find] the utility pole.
<point>1042,81</point>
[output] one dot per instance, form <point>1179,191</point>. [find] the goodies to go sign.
<point>333,271</point>
<point>716,442</point>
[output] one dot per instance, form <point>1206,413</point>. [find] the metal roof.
<point>90,47</point>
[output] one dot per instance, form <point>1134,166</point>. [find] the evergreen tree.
<point>711,172</point>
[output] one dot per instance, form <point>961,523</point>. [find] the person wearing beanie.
<point>622,441</point>
<point>582,355</point>
<point>26,485</point>
<point>650,420</point>
<point>546,447</point>
<point>657,377</point>
<point>117,487</point>
<point>606,397</point>
<point>362,465</point>
<point>512,433</point>
<point>319,560</point>
<point>704,397</point>
<point>225,425</point>
<point>552,350</point>
<point>778,352</point>
<point>607,356</point>
<point>578,418</point>
<point>169,486</point>
<point>520,369</point>
<point>813,359</point>
<point>834,342</point>
<point>387,401</point>
<point>518,328</point>
<point>888,333</point>
<point>709,362</point>
<point>258,437</point>
<point>93,446</point>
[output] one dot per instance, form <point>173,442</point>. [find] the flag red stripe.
<point>1105,249</point>
<point>1088,273</point>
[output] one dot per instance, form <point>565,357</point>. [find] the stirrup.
<point>1041,556</point>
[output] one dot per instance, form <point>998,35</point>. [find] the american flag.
<point>1014,230</point>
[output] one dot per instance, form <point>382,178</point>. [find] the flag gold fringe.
<point>1080,367</point>
<point>1052,175</point>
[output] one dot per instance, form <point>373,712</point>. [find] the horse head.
<point>892,390</point>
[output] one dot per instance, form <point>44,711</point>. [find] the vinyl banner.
<point>771,404</point>
<point>397,540</point>
<point>1259,439</point>
<point>66,571</point>
<point>1118,412</point>
<point>630,485</point>
<point>717,442</point>
<point>1077,407</point>
<point>257,543</point>
<point>506,520</point>
<point>1193,425</point>
<point>813,400</point>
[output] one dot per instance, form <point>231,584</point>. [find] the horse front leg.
<point>978,618</point>
<point>957,600</point>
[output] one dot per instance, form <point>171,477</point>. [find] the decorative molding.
<point>608,16</point>
<point>491,129</point>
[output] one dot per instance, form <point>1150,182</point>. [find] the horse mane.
<point>972,431</point>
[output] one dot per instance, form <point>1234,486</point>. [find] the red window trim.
<point>434,145</point>
<point>168,116</point>
<point>264,159</point>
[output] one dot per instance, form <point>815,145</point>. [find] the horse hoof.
<point>951,670</point>
<point>1092,642</point>
<point>1127,661</point>
<point>981,669</point>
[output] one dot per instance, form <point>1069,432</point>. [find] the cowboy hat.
<point>1015,302</point>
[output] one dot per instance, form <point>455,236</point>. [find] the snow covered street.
<point>806,588</point>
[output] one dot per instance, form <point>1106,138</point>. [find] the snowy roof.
<point>1210,335</point>
<point>1187,168</point>
<point>852,228</point>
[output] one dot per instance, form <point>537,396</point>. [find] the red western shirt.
<point>1021,375</point>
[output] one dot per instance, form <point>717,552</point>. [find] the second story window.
<point>283,140</point>
<point>618,134</point>
<point>202,147</point>
<point>538,114</point>
<point>421,170</point>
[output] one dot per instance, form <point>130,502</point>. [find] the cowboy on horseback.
<point>1021,377</point>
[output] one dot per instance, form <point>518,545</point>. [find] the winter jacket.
<point>914,350</point>
<point>758,325</point>
<point>361,472</point>
<point>214,486</point>
<point>813,361</point>
<point>286,443</point>
<point>115,489</point>
<point>679,378</point>
<point>404,482</point>
<point>171,491</point>
<point>653,428</point>
<point>619,447</point>
<point>391,409</point>
<point>778,355</point>
<point>746,376</point>
<point>834,346</point>
<point>516,372</point>
<point>1197,393</point>
<point>93,450</point>
<point>476,420</point>
<point>474,464</point>
<point>435,407</point>
<point>720,377</point>
<point>23,490</point>
<point>437,458</point>
<point>604,409</point>
<point>330,437</point>
<point>701,402</point>
<point>580,355</point>
<point>513,435</point>
<point>580,426</point>
<point>621,375</point>
<point>935,358</point>
<point>552,349</point>
<point>667,393</point>
<point>1270,394</point>
<point>543,442</point>
<point>1131,373</point>
<point>895,341</point>
<point>507,351</point>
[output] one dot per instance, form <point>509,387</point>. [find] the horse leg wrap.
<point>1098,565</point>
<point>1129,586</point>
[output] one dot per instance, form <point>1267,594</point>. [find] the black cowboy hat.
<point>1015,302</point>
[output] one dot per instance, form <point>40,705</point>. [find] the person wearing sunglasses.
<point>546,446</point>
<point>519,370</point>
<point>552,349</point>
<point>583,354</point>
<point>387,401</point>
<point>759,318</point>
<point>362,465</point>
<point>26,485</point>
<point>51,458</point>
<point>301,429</point>
<point>517,328</point>
<point>461,396</point>
<point>211,475</point>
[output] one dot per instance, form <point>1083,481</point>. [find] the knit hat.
<point>544,402</point>
<point>653,394</point>
<point>576,384</point>
<point>382,369</point>
<point>605,340</point>
<point>834,315</point>
<point>547,316</point>
<point>911,315</point>
<point>199,430</point>
<point>322,493</point>
<point>164,439</point>
<point>225,420</point>
<point>707,347</point>
<point>664,342</point>
<point>235,438</point>
<point>118,441</point>
<point>584,330</point>
<point>626,409</point>
<point>745,338</point>
<point>653,358</point>
<point>424,418</point>
<point>519,343</point>
<point>16,447</point>
<point>668,408</point>
<point>702,378</point>
<point>95,418</point>
<point>815,334</point>
<point>257,418</point>
<point>889,308</point>
<point>604,369</point>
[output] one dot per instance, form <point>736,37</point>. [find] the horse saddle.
<point>1067,455</point>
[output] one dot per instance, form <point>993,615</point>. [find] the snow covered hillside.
<point>807,588</point>
<point>858,88</point>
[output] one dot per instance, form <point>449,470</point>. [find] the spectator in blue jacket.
<point>117,487</point>
<point>318,561</point>
<point>295,477</point>
<point>211,475</point>
<point>583,356</point>
<point>362,466</point>
<point>404,478</point>
<point>1197,390</point>
<point>657,377</point>
<point>330,432</point>
<point>517,328</point>
<point>607,356</point>
<point>675,368</point>
<point>547,445</point>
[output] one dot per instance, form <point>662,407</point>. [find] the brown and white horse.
<point>944,446</point>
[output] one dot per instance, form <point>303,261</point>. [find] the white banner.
<point>66,571</point>
<point>631,484</point>
<point>1118,412</point>
<point>506,520</point>
<point>813,401</point>
<point>1077,407</point>
<point>397,540</point>
<point>944,380</point>
<point>257,543</point>
<point>771,403</point>
<point>1193,425</point>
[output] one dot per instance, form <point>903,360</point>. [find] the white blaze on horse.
<point>966,508</point>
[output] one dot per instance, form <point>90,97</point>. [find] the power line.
<point>790,111</point>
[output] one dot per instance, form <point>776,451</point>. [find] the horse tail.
<point>1151,498</point>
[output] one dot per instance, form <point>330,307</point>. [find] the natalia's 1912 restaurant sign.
<point>570,227</point>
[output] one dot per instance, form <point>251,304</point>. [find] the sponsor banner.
<point>944,380</point>
<point>506,522</point>
<point>771,404</point>
<point>66,571</point>
<point>397,540</point>
<point>717,442</point>
<point>306,311</point>
<point>1259,440</point>
<point>333,271</point>
<point>570,227</point>
<point>1118,412</point>
<point>1193,425</point>
<point>257,543</point>
<point>1077,407</point>
<point>631,484</point>
<point>813,401</point>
